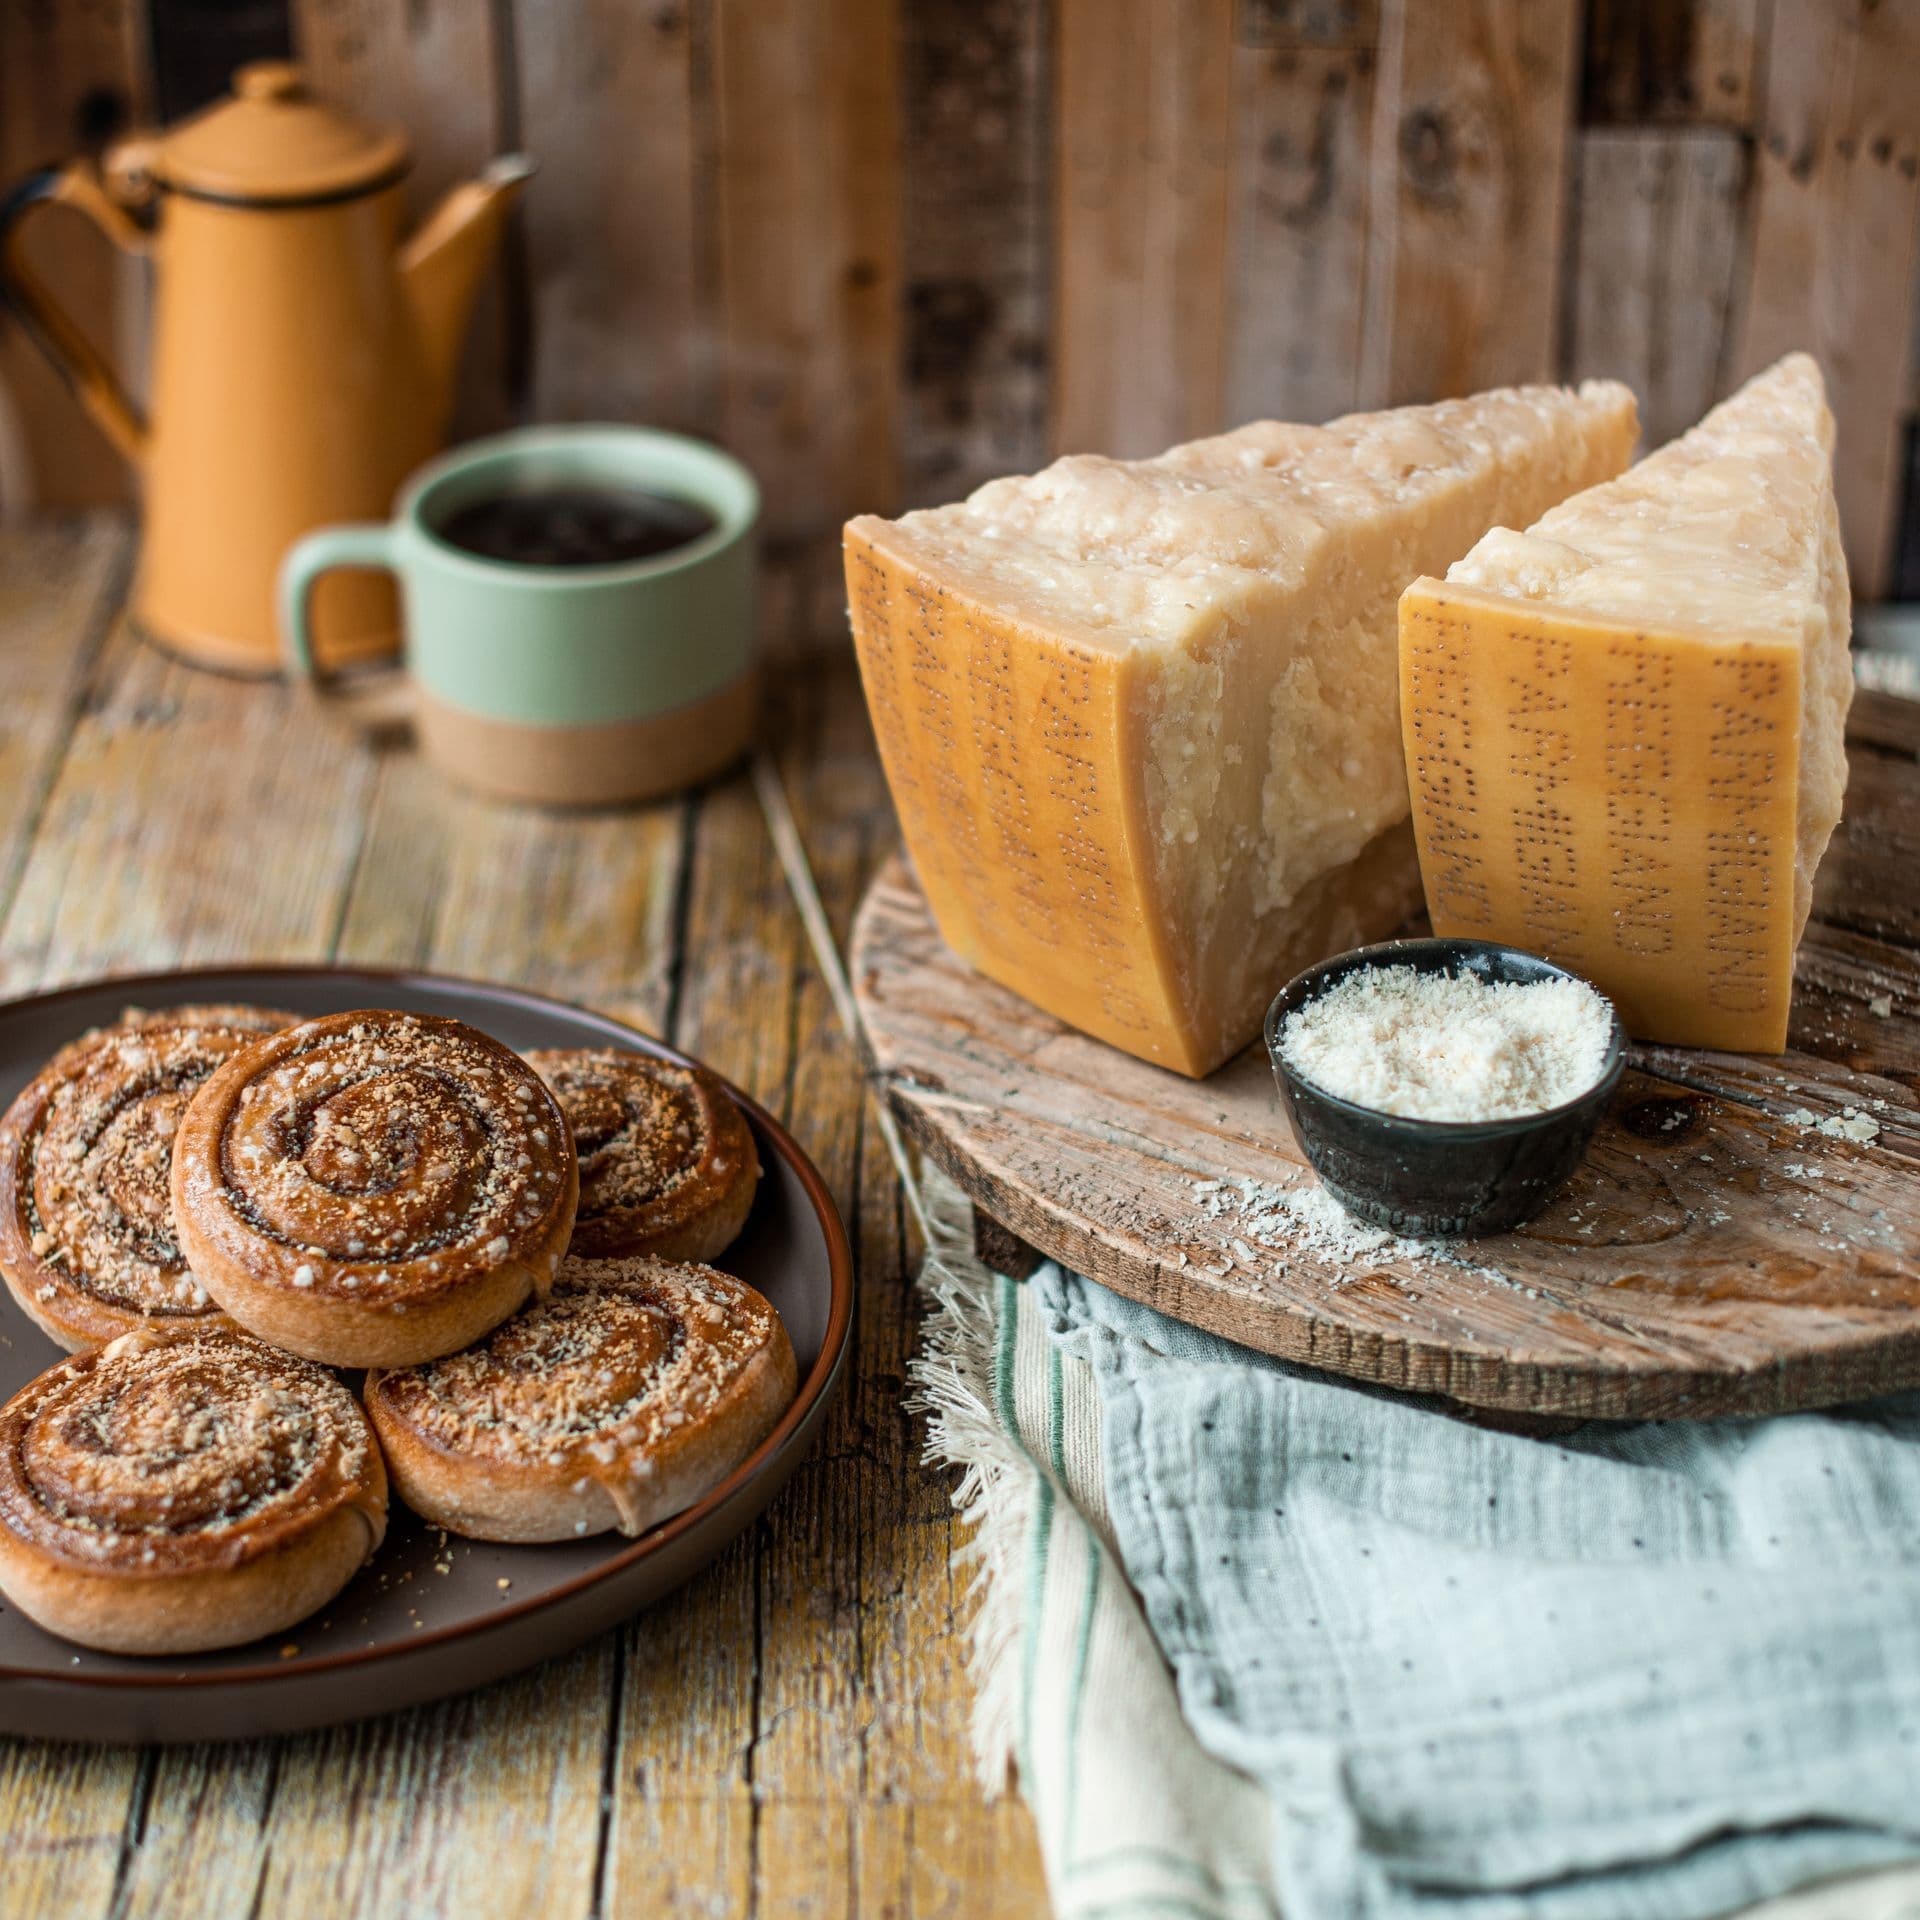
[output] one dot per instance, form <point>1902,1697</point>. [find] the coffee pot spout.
<point>441,265</point>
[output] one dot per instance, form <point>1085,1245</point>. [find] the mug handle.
<point>380,699</point>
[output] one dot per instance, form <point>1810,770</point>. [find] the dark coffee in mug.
<point>575,526</point>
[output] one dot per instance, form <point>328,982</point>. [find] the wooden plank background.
<point>886,249</point>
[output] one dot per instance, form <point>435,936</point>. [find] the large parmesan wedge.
<point>1140,718</point>
<point>1625,726</point>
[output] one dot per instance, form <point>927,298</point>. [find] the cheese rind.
<point>1625,727</point>
<point>1140,718</point>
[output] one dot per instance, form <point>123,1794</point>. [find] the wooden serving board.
<point>1718,1253</point>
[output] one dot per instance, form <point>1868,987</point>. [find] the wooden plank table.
<point>788,1735</point>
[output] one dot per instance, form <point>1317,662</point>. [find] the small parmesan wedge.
<point>1140,718</point>
<point>1625,727</point>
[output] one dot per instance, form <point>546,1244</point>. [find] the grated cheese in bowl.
<point>1450,1046</point>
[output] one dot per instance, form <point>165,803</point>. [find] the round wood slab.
<point>1718,1253</point>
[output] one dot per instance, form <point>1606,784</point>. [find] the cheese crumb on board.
<point>1625,727</point>
<point>1445,1046</point>
<point>1850,1124</point>
<point>1289,1221</point>
<point>1140,718</point>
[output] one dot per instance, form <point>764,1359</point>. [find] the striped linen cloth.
<point>1111,1457</point>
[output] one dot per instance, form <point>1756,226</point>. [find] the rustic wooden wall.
<point>888,248</point>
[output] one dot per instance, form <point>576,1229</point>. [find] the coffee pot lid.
<point>272,144</point>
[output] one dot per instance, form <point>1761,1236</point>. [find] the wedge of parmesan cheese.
<point>1625,726</point>
<point>1140,718</point>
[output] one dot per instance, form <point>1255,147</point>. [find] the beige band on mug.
<point>593,766</point>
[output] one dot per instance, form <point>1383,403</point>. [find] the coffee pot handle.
<point>377,698</point>
<point>75,358</point>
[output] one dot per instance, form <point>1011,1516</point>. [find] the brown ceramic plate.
<point>428,1616</point>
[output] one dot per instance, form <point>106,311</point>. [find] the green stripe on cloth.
<point>1077,1687</point>
<point>1042,1528</point>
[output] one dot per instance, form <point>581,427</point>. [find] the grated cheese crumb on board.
<point>1851,1124</point>
<point>1309,1220</point>
<point>1443,1046</point>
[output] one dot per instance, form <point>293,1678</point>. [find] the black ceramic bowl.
<point>1420,1177</point>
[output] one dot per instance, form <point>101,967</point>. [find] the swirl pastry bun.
<point>374,1189</point>
<point>183,1489</point>
<point>235,1015</point>
<point>667,1160</point>
<point>632,1390</point>
<point>87,1243</point>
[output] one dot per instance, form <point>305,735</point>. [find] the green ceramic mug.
<point>568,685</point>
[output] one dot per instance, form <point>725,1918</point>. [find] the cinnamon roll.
<point>87,1244</point>
<point>224,1013</point>
<point>182,1489</point>
<point>633,1389</point>
<point>667,1161</point>
<point>372,1189</point>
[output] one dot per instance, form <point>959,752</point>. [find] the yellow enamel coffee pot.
<point>303,352</point>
